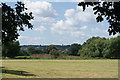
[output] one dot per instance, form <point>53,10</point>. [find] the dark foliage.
<point>73,49</point>
<point>47,49</point>
<point>11,50</point>
<point>106,10</point>
<point>14,20</point>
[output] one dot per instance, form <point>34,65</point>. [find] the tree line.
<point>92,48</point>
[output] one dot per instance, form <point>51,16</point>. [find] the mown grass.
<point>60,68</point>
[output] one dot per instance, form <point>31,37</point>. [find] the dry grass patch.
<point>62,68</point>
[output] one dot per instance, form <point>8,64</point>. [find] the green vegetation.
<point>73,49</point>
<point>11,50</point>
<point>94,47</point>
<point>101,47</point>
<point>60,68</point>
<point>14,19</point>
<point>28,63</point>
<point>55,53</point>
<point>49,48</point>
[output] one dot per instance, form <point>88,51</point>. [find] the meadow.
<point>60,68</point>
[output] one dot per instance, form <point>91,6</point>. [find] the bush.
<point>47,49</point>
<point>23,52</point>
<point>55,53</point>
<point>73,49</point>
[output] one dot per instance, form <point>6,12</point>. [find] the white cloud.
<point>86,16</point>
<point>69,13</point>
<point>83,27</point>
<point>42,11</point>
<point>29,40</point>
<point>65,27</point>
<point>41,28</point>
<point>74,18</point>
<point>98,30</point>
<point>77,33</point>
<point>78,16</point>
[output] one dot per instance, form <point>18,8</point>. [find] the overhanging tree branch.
<point>14,20</point>
<point>106,10</point>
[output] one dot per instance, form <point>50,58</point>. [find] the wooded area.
<point>93,47</point>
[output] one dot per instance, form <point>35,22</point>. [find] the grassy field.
<point>60,68</point>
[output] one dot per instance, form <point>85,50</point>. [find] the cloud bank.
<point>74,23</point>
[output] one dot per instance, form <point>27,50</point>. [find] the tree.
<point>73,49</point>
<point>106,10</point>
<point>115,47</point>
<point>38,51</point>
<point>14,20</point>
<point>55,53</point>
<point>93,47</point>
<point>11,50</point>
<point>112,49</point>
<point>31,50</point>
<point>101,47</point>
<point>106,51</point>
<point>84,52</point>
<point>24,52</point>
<point>47,49</point>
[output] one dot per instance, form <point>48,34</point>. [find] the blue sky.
<point>61,23</point>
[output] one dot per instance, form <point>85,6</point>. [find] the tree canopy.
<point>14,20</point>
<point>106,10</point>
<point>11,50</point>
<point>101,47</point>
<point>73,49</point>
<point>49,48</point>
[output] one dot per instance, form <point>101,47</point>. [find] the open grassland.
<point>60,68</point>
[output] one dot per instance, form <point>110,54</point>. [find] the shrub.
<point>55,53</point>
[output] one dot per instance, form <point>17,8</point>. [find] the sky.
<point>60,23</point>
